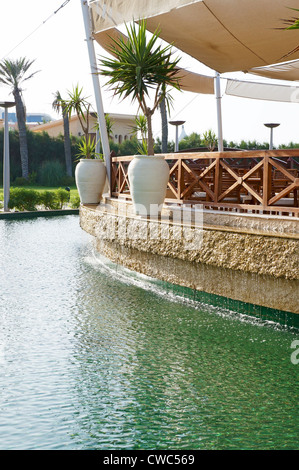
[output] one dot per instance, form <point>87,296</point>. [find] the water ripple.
<point>92,358</point>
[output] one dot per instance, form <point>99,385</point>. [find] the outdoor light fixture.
<point>177,124</point>
<point>68,189</point>
<point>271,126</point>
<point>6,164</point>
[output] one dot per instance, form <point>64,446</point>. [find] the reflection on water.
<point>91,358</point>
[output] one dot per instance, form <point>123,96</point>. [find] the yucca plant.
<point>87,149</point>
<point>140,126</point>
<point>139,67</point>
<point>76,102</point>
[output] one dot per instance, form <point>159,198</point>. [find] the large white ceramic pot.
<point>148,177</point>
<point>90,175</point>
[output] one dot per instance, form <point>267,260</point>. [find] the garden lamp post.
<point>6,164</point>
<point>176,124</point>
<point>271,127</point>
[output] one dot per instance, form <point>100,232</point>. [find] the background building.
<point>32,119</point>
<point>121,127</point>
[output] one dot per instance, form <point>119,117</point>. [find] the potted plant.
<point>90,173</point>
<point>142,69</point>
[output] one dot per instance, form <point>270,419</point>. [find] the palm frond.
<point>140,66</point>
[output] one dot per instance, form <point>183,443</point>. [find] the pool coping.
<point>34,214</point>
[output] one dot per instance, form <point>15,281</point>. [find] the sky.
<point>57,44</point>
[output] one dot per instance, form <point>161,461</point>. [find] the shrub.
<point>75,201</point>
<point>20,181</point>
<point>51,173</point>
<point>68,181</point>
<point>49,200</point>
<point>23,199</point>
<point>62,196</point>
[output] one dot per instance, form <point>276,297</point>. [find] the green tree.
<point>59,105</point>
<point>210,140</point>
<point>139,67</point>
<point>13,73</point>
<point>140,126</point>
<point>78,104</point>
<point>191,141</point>
<point>109,125</point>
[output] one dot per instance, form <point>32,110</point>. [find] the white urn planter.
<point>90,175</point>
<point>148,177</point>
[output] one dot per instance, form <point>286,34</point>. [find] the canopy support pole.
<point>97,89</point>
<point>6,164</point>
<point>219,113</point>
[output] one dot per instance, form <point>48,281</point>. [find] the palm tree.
<point>140,126</point>
<point>81,106</point>
<point>164,124</point>
<point>140,66</point>
<point>59,105</point>
<point>109,125</point>
<point>13,73</point>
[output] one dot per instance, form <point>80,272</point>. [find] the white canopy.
<point>283,71</point>
<point>263,91</point>
<point>225,35</point>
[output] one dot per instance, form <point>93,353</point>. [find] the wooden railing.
<point>245,181</point>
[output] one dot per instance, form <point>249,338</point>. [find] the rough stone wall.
<point>247,252</point>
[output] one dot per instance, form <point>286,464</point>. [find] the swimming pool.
<point>93,357</point>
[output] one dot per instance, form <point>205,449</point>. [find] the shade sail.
<point>225,35</point>
<point>283,71</point>
<point>262,91</point>
<point>189,81</point>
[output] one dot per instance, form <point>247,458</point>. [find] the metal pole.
<point>271,139</point>
<point>176,138</point>
<point>6,166</point>
<point>271,127</point>
<point>219,114</point>
<point>177,124</point>
<point>97,88</point>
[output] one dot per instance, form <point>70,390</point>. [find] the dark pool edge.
<point>281,317</point>
<point>254,311</point>
<point>34,214</point>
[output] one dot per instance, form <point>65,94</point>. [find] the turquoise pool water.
<point>92,357</point>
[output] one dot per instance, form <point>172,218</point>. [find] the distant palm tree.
<point>59,105</point>
<point>13,73</point>
<point>76,102</point>
<point>140,126</point>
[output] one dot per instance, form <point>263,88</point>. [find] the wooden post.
<point>218,179</point>
<point>181,185</point>
<point>267,180</point>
